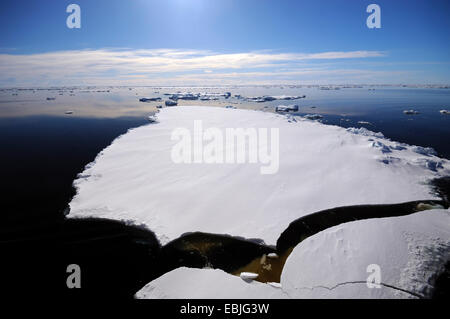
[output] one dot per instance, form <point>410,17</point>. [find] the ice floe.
<point>396,257</point>
<point>320,167</point>
<point>248,275</point>
<point>170,103</point>
<point>410,112</point>
<point>286,108</point>
<point>268,98</point>
<point>150,99</point>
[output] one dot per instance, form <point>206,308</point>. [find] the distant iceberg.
<point>268,98</point>
<point>286,108</point>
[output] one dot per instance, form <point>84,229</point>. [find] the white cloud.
<point>98,67</point>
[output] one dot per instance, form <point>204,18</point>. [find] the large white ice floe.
<point>402,256</point>
<point>320,167</point>
<point>406,252</point>
<point>189,283</point>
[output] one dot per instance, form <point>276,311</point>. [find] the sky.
<point>223,42</point>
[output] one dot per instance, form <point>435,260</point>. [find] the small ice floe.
<point>272,255</point>
<point>68,112</point>
<point>149,99</point>
<point>248,276</point>
<point>444,112</point>
<point>51,98</point>
<point>410,112</point>
<point>364,123</point>
<point>286,108</point>
<point>313,116</point>
<point>275,284</point>
<point>184,96</point>
<point>170,103</point>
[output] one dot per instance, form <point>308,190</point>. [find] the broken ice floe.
<point>170,103</point>
<point>268,98</point>
<point>286,108</point>
<point>444,111</point>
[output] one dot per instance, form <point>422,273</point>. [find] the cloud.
<point>98,67</point>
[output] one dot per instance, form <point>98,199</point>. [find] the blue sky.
<point>195,42</point>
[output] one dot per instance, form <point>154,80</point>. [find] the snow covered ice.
<point>320,167</point>
<point>408,250</point>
